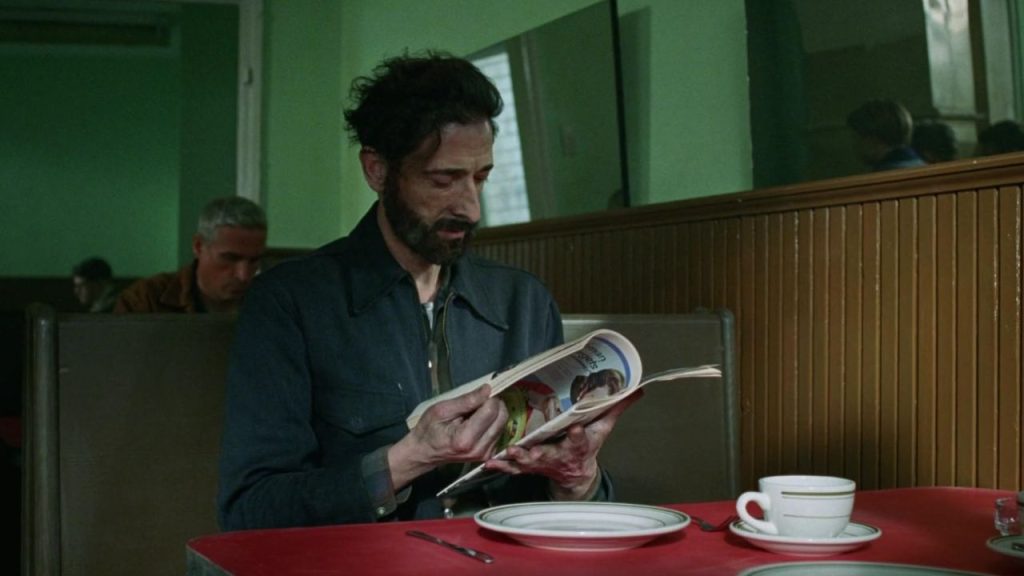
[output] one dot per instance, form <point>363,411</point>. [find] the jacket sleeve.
<point>270,471</point>
<point>131,299</point>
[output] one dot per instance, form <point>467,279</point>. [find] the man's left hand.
<point>570,463</point>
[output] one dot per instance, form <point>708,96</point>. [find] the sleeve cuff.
<point>377,479</point>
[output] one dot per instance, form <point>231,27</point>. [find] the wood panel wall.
<point>878,317</point>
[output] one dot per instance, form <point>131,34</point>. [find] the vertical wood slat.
<point>926,326</point>
<point>889,340</point>
<point>853,345</point>
<point>805,248</point>
<point>870,441</point>
<point>774,417</point>
<point>1009,392</point>
<point>906,436</point>
<point>789,328</point>
<point>760,352</point>
<point>819,366</point>
<point>945,334</point>
<point>988,337</point>
<point>877,339</point>
<point>966,357</point>
<point>836,447</point>
<point>746,321</point>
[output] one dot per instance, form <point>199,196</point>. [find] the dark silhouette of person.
<point>934,141</point>
<point>93,283</point>
<point>882,130</point>
<point>1000,138</point>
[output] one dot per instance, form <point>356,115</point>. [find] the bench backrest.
<point>123,431</point>
<point>680,442</point>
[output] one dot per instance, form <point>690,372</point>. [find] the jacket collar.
<point>181,293</point>
<point>375,273</point>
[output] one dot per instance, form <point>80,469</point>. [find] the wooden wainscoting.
<point>878,317</point>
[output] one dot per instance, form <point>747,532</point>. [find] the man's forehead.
<point>237,237</point>
<point>452,142</point>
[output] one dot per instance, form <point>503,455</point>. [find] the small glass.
<point>1007,516</point>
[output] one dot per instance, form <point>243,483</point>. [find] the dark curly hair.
<point>1001,137</point>
<point>408,98</point>
<point>885,120</point>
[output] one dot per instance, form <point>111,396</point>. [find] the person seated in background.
<point>934,141</point>
<point>882,130</point>
<point>228,246</point>
<point>93,283</point>
<point>1000,138</point>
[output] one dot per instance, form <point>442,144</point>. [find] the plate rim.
<point>683,521</point>
<point>992,542</point>
<point>753,570</point>
<point>753,534</point>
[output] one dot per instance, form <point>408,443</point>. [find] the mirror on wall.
<point>955,67</point>
<point>560,149</point>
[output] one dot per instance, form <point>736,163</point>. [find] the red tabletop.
<point>944,527</point>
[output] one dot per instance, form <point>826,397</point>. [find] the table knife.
<point>475,554</point>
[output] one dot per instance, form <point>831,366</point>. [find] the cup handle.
<point>764,502</point>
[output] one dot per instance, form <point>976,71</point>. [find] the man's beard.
<point>423,238</point>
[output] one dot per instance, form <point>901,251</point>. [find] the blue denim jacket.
<point>331,355</point>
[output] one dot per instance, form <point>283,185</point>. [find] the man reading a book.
<point>335,349</point>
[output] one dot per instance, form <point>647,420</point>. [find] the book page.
<point>583,411</point>
<point>604,367</point>
<point>543,367</point>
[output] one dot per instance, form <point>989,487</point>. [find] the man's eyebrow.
<point>455,171</point>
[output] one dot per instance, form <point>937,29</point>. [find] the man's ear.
<point>375,169</point>
<point>197,245</point>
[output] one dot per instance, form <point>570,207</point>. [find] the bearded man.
<point>334,350</point>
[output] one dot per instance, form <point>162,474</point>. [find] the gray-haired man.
<point>228,246</point>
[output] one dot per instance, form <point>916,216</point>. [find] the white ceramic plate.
<point>1004,545</point>
<point>850,569</point>
<point>853,536</point>
<point>582,526</point>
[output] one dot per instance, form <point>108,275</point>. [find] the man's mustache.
<point>454,225</point>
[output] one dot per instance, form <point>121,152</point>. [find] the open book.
<point>545,394</point>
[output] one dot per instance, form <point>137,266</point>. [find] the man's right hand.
<point>463,429</point>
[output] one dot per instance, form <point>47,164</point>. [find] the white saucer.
<point>582,526</point>
<point>1004,545</point>
<point>853,536</point>
<point>850,569</point>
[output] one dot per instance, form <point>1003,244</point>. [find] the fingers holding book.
<point>461,429</point>
<point>569,462</point>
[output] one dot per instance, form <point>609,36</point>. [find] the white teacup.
<point>801,506</point>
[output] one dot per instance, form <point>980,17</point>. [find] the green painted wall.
<point>302,122</point>
<point>112,151</point>
<point>698,108</point>
<point>578,102</point>
<point>88,159</point>
<point>209,113</point>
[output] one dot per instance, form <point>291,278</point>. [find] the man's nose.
<point>244,271</point>
<point>468,204</point>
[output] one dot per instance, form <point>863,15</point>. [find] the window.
<point>504,198</point>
